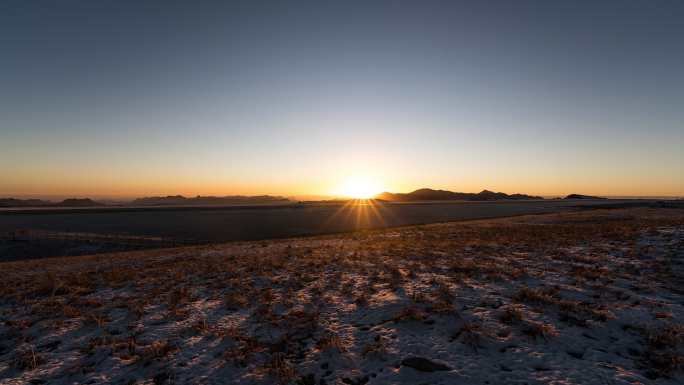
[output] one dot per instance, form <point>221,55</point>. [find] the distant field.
<point>216,224</point>
<point>172,226</point>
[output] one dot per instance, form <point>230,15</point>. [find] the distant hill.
<point>176,200</point>
<point>179,200</point>
<point>579,196</point>
<point>426,194</point>
<point>13,202</point>
<point>71,202</point>
<point>76,202</point>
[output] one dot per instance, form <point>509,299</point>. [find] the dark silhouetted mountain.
<point>176,200</point>
<point>579,196</point>
<point>71,202</point>
<point>78,202</point>
<point>426,194</point>
<point>13,202</point>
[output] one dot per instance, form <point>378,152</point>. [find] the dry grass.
<point>377,348</point>
<point>663,356</point>
<point>26,358</point>
<point>331,340</point>
<point>281,369</point>
<point>536,329</point>
<point>536,296</point>
<point>269,307</point>
<point>511,314</point>
<point>471,334</point>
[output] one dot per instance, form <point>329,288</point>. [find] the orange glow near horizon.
<point>334,182</point>
<point>360,187</point>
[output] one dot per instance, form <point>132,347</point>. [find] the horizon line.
<point>301,196</point>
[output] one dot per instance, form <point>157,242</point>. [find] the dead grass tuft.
<point>470,334</point>
<point>157,350</point>
<point>536,295</point>
<point>235,300</point>
<point>331,340</point>
<point>536,329</point>
<point>411,313</point>
<point>511,314</point>
<point>377,348</point>
<point>281,368</point>
<point>26,358</point>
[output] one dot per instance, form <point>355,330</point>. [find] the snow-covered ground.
<point>575,298</point>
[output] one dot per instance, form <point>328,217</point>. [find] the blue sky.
<point>127,98</point>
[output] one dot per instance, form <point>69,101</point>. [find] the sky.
<point>132,98</point>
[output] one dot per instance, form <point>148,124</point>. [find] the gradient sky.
<point>129,98</point>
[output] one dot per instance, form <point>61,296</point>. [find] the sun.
<point>360,188</point>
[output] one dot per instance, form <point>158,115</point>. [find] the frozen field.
<point>591,297</point>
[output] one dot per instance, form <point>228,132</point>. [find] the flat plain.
<point>590,297</point>
<point>36,233</point>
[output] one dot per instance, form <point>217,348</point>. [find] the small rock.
<point>633,352</point>
<point>358,381</point>
<point>309,379</point>
<point>423,364</point>
<point>50,346</point>
<point>161,378</point>
<point>587,335</point>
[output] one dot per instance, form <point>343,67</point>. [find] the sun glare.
<point>360,188</point>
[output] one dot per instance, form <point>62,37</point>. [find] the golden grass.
<point>284,284</point>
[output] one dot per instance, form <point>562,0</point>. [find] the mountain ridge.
<point>69,202</point>
<point>580,196</point>
<point>174,200</point>
<point>427,194</point>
